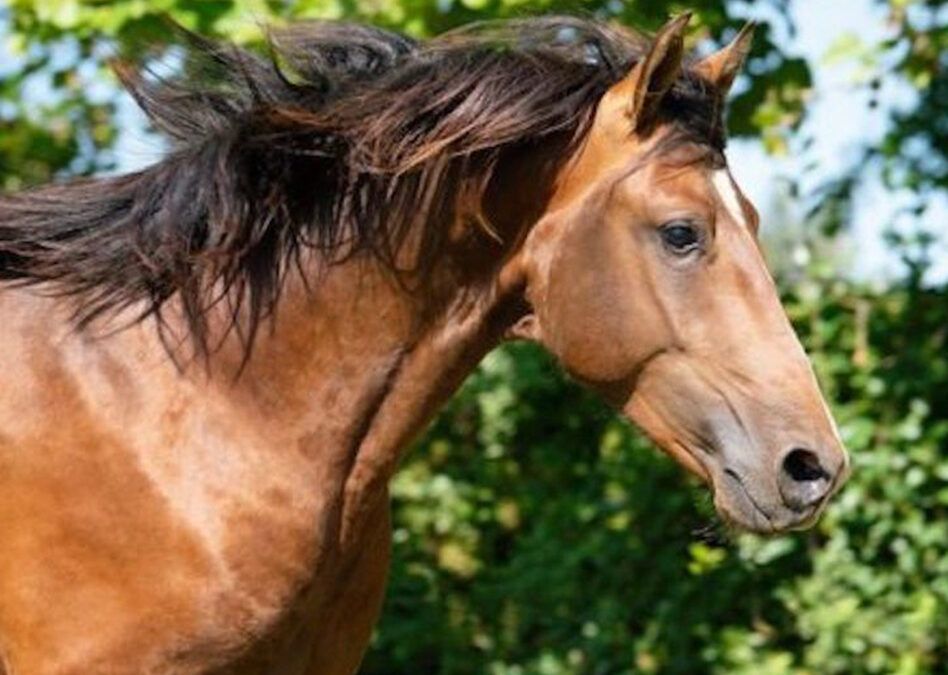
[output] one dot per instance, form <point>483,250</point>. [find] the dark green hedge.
<point>537,533</point>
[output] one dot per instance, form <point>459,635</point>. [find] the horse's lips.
<point>750,505</point>
<point>736,503</point>
<point>734,497</point>
<point>723,451</point>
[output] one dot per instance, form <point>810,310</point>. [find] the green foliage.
<point>535,533</point>
<point>912,156</point>
<point>916,150</point>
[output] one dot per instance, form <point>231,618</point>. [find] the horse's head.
<point>647,281</point>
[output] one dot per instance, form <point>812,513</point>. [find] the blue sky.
<point>839,120</point>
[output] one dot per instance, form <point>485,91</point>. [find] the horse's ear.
<point>722,67</point>
<point>651,78</point>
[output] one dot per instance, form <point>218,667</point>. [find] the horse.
<point>212,365</point>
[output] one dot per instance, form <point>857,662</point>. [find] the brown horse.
<point>212,366</point>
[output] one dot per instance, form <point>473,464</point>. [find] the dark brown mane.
<point>344,141</point>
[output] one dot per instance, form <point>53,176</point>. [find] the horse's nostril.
<point>803,481</point>
<point>803,466</point>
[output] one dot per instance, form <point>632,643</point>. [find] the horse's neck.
<point>263,490</point>
<point>353,369</point>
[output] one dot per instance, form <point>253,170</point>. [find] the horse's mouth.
<point>743,498</point>
<point>737,504</point>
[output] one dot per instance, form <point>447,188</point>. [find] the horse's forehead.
<point>662,184</point>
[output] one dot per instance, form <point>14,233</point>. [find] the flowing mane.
<point>345,140</point>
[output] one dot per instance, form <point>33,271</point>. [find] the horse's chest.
<point>137,583</point>
<point>274,574</point>
<point>266,518</point>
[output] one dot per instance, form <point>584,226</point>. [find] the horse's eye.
<point>680,236</point>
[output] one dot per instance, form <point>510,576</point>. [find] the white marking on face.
<point>721,179</point>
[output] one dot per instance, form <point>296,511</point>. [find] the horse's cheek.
<point>591,319</point>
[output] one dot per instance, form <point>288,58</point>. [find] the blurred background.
<point>534,531</point>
